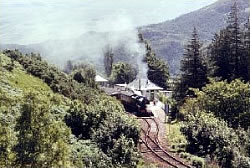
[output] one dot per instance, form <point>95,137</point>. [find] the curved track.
<point>151,141</point>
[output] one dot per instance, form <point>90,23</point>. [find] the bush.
<point>105,135</point>
<point>58,81</point>
<point>87,154</point>
<point>106,123</point>
<point>228,101</point>
<point>123,73</point>
<point>210,136</point>
<point>198,162</point>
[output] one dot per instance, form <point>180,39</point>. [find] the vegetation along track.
<point>152,144</point>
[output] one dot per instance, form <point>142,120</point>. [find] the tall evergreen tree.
<point>194,71</point>
<point>108,60</point>
<point>237,56</point>
<point>219,52</point>
<point>247,46</point>
<point>227,52</point>
<point>157,69</point>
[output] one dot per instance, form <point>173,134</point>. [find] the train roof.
<point>128,93</point>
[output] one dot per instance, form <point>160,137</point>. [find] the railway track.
<point>152,144</point>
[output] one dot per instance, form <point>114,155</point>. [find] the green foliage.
<point>8,137</point>
<point>198,162</point>
<point>175,138</point>
<point>123,73</point>
<point>86,76</point>
<point>108,60</point>
<point>158,69</point>
<point>87,154</point>
<point>58,81</point>
<point>124,153</point>
<point>219,55</point>
<point>105,123</point>
<point>229,101</point>
<point>194,71</point>
<point>229,51</point>
<point>42,140</point>
<point>34,121</point>
<point>210,136</point>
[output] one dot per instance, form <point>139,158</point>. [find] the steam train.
<point>134,103</point>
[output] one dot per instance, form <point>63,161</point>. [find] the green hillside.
<point>42,125</point>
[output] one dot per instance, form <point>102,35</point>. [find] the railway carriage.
<point>134,103</point>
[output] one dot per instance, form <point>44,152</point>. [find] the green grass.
<point>142,164</point>
<point>175,138</point>
<point>178,144</point>
<point>25,81</point>
<point>18,79</point>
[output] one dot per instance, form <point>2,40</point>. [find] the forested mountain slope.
<point>168,38</point>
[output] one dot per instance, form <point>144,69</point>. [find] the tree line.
<point>212,95</point>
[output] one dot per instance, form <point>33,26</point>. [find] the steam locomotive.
<point>134,103</point>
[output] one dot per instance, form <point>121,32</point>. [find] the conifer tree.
<point>219,52</point>
<point>194,71</point>
<point>247,47</point>
<point>227,53</point>
<point>237,56</point>
<point>108,60</point>
<point>157,68</point>
<point>68,67</point>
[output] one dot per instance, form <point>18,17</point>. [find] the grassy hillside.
<point>42,125</point>
<point>18,80</point>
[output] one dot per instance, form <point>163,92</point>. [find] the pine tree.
<point>227,53</point>
<point>247,47</point>
<point>108,60</point>
<point>157,68</point>
<point>237,59</point>
<point>194,71</point>
<point>219,55</point>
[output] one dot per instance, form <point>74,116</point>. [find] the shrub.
<point>198,162</point>
<point>228,101</point>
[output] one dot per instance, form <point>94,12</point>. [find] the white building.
<point>146,87</point>
<point>100,80</point>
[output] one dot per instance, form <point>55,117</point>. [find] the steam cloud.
<point>119,33</point>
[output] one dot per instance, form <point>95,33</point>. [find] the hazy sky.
<point>30,21</point>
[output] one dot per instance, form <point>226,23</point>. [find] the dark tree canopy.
<point>108,60</point>
<point>157,68</point>
<point>193,68</point>
<point>85,75</point>
<point>229,51</point>
<point>123,73</point>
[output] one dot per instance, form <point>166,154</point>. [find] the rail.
<point>176,163</point>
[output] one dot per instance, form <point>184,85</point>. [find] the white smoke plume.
<point>62,35</point>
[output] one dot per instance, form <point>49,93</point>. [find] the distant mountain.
<point>168,38</point>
